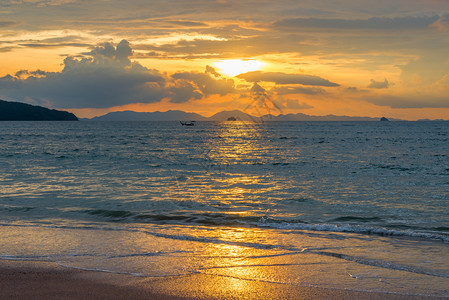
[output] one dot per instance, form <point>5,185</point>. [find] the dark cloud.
<point>107,77</point>
<point>121,53</point>
<point>371,23</point>
<point>410,101</point>
<point>284,78</point>
<point>26,73</point>
<point>57,42</point>
<point>442,23</point>
<point>379,84</point>
<point>8,23</point>
<point>183,90</point>
<point>188,23</point>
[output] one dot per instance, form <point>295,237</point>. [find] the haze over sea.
<point>347,205</point>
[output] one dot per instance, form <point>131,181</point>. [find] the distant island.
<point>234,115</point>
<point>17,111</point>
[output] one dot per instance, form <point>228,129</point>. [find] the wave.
<point>367,230</point>
<point>284,251</point>
<point>347,224</point>
<point>357,219</point>
<point>344,224</point>
<point>183,218</point>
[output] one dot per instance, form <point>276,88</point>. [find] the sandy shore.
<point>38,280</point>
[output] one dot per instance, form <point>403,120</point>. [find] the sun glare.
<point>234,67</point>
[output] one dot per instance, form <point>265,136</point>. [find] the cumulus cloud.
<point>379,84</point>
<point>284,78</point>
<point>206,84</point>
<point>120,54</point>
<point>106,77</point>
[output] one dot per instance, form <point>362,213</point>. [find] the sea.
<point>341,205</point>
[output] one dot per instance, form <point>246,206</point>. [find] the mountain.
<point>303,117</point>
<point>241,116</point>
<point>17,111</point>
<point>171,115</point>
<point>177,115</point>
<point>237,114</point>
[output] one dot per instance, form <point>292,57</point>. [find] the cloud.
<point>379,84</point>
<point>294,104</point>
<point>52,45</point>
<point>8,23</point>
<point>286,90</point>
<point>206,84</point>
<point>284,78</point>
<point>106,77</point>
<point>188,23</point>
<point>410,101</point>
<point>443,23</point>
<point>227,47</point>
<point>357,24</point>
<point>212,71</point>
<point>26,73</point>
<point>183,90</point>
<point>41,3</point>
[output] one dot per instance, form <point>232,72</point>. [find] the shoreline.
<point>47,280</point>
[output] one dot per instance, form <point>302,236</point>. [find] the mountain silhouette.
<point>17,111</point>
<point>171,115</point>
<point>177,115</point>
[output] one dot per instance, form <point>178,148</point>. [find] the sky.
<point>343,57</point>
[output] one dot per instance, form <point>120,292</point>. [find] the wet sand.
<point>39,280</point>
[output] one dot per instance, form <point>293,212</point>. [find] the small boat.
<point>191,123</point>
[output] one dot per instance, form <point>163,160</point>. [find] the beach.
<point>40,280</point>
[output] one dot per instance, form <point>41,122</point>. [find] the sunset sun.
<point>234,67</point>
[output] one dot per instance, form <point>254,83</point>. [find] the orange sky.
<point>348,57</point>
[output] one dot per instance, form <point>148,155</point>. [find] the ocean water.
<point>347,205</point>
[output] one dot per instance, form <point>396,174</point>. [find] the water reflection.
<point>236,142</point>
<point>234,181</point>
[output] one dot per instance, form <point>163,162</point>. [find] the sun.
<point>234,67</point>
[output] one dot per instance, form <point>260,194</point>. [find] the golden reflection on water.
<point>235,261</point>
<point>236,141</point>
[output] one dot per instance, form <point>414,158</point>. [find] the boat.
<point>191,123</point>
